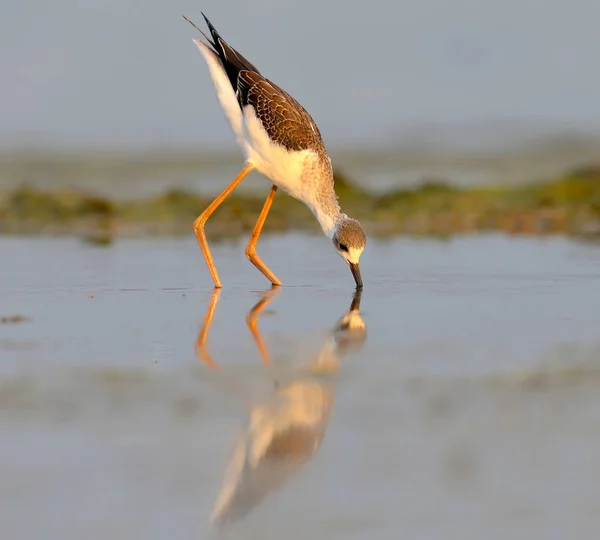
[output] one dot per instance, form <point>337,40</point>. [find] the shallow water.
<point>461,401</point>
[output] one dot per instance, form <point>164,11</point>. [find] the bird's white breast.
<point>284,168</point>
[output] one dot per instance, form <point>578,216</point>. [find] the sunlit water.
<point>461,401</point>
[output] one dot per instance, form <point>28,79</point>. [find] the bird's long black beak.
<point>356,273</point>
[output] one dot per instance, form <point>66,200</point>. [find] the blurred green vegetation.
<point>569,205</point>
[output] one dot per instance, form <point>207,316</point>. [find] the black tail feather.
<point>214,47</point>
<point>232,61</point>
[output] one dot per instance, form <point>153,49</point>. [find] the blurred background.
<point>465,75</point>
<point>114,99</point>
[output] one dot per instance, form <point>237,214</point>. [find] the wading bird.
<point>281,141</point>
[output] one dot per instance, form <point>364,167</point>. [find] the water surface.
<point>459,399</point>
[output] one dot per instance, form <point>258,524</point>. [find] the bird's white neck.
<point>328,219</point>
<point>321,197</point>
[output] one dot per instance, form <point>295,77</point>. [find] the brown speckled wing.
<point>283,118</point>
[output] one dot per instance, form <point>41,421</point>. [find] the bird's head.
<point>349,240</point>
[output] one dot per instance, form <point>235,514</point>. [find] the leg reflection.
<point>252,321</point>
<point>201,351</point>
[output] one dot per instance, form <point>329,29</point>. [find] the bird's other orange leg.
<point>203,333</point>
<point>251,247</point>
<point>201,221</point>
<point>252,322</point>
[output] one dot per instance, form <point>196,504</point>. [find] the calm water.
<point>459,397</point>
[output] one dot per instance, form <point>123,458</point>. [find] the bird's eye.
<point>343,247</point>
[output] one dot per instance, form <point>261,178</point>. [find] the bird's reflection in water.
<point>285,431</point>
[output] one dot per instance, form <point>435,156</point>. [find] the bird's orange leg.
<point>252,322</point>
<point>202,218</point>
<point>203,334</point>
<point>251,247</point>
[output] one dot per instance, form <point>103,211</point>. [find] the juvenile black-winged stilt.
<point>281,141</point>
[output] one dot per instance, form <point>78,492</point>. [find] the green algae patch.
<point>568,205</point>
<point>31,204</point>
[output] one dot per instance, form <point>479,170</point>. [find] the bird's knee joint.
<point>250,252</point>
<point>199,223</point>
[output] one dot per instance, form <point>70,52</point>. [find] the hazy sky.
<point>126,70</point>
